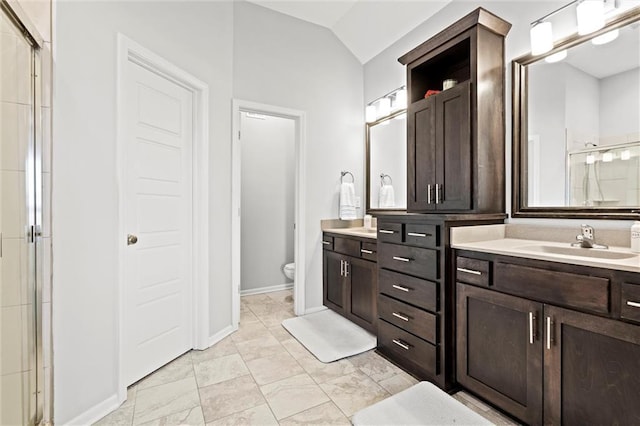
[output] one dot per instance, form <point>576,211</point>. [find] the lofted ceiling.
<point>366,27</point>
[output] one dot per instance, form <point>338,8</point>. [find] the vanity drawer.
<point>346,246</point>
<point>407,346</point>
<point>369,251</point>
<point>630,301</point>
<point>416,261</point>
<point>421,293</point>
<point>473,271</point>
<point>416,321</point>
<point>421,235</point>
<point>390,232</point>
<point>327,242</point>
<point>560,288</point>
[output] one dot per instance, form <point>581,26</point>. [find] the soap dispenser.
<point>635,237</point>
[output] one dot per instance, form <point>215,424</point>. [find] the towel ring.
<point>342,174</point>
<point>382,179</point>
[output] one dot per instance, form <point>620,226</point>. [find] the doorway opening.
<point>267,207</point>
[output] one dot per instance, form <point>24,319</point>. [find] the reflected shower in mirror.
<point>577,137</point>
<point>387,163</point>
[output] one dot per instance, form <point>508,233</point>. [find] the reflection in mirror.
<point>579,127</point>
<point>387,163</point>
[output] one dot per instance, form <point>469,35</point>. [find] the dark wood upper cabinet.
<point>456,138</point>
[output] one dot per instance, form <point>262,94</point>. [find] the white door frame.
<point>299,233</point>
<point>130,51</point>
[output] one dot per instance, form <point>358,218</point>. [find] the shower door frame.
<point>34,188</point>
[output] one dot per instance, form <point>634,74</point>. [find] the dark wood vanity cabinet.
<point>456,138</point>
<point>565,355</point>
<point>416,293</point>
<point>350,280</point>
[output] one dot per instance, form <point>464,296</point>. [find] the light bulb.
<point>591,159</point>
<point>541,38</point>
<point>590,14</point>
<point>556,57</point>
<point>384,106</point>
<point>607,157</point>
<point>625,155</point>
<point>401,99</point>
<point>370,113</point>
<point>606,37</point>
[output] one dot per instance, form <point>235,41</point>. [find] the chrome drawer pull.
<point>366,251</point>
<point>532,336</point>
<point>402,317</point>
<point>398,287</point>
<point>326,243</point>
<point>401,344</point>
<point>417,234</point>
<point>428,193</point>
<point>469,271</point>
<point>633,304</point>
<point>385,231</point>
<point>401,259</point>
<point>549,337</point>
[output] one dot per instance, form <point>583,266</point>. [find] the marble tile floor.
<point>261,375</point>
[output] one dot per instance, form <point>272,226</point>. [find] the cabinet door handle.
<point>399,287</point>
<point>346,268</point>
<point>437,194</point>
<point>532,333</point>
<point>469,271</point>
<point>386,231</point>
<point>633,304</point>
<point>401,344</point>
<point>326,243</point>
<point>341,268</point>
<point>549,332</point>
<point>366,251</point>
<point>418,234</point>
<point>429,193</point>
<point>401,259</point>
<point>402,317</point>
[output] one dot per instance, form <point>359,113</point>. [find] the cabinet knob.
<point>131,239</point>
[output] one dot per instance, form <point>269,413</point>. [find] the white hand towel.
<point>387,196</point>
<point>347,201</point>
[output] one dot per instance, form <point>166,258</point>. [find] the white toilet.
<point>289,270</point>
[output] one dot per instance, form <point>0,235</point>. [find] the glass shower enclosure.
<point>21,360</point>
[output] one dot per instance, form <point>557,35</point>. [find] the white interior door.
<point>158,163</point>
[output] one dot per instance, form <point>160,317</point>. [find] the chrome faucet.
<point>587,239</point>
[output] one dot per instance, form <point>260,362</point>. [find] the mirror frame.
<point>367,152</point>
<point>519,172</point>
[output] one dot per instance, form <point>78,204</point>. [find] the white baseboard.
<point>314,310</point>
<point>270,289</point>
<point>221,335</point>
<point>96,412</point>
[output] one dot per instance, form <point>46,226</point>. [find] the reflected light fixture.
<point>606,37</point>
<point>625,155</point>
<point>556,57</point>
<point>590,14</point>
<point>607,157</point>
<point>591,159</point>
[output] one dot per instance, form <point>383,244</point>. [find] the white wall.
<point>620,94</point>
<point>194,36</point>
<point>267,205</point>
<point>384,73</point>
<point>283,61</point>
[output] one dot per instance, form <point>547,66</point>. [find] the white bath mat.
<point>421,404</point>
<point>329,336</point>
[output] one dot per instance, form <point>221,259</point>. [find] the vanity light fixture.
<point>541,37</point>
<point>606,37</point>
<point>384,105</point>
<point>590,14</point>
<point>591,159</point>
<point>556,57</point>
<point>625,155</point>
<point>607,157</point>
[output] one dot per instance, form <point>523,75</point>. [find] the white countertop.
<point>552,251</point>
<point>371,233</point>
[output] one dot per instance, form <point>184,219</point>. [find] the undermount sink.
<point>579,251</point>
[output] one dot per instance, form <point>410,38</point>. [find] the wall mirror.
<point>576,127</point>
<point>386,168</point>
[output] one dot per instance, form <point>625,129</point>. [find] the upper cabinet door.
<point>421,152</point>
<point>453,148</point>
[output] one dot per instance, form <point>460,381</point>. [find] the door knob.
<point>131,239</point>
